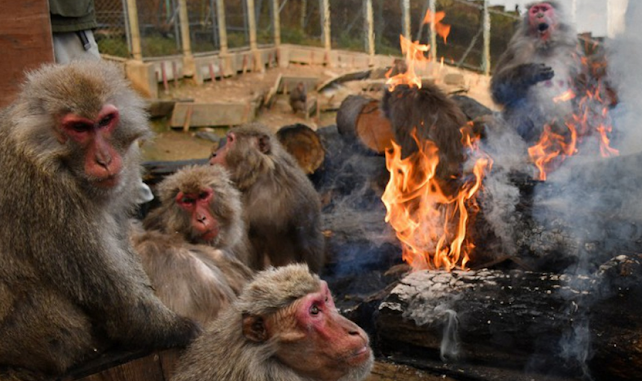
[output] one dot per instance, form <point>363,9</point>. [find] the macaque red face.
<point>316,341</point>
<point>218,157</point>
<point>542,19</point>
<point>204,226</point>
<point>102,163</point>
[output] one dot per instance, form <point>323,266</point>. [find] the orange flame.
<point>430,224</point>
<point>591,118</point>
<point>414,53</point>
<point>442,30</point>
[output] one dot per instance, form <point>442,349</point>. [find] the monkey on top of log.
<point>71,286</point>
<point>543,78</point>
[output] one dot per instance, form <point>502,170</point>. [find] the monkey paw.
<point>534,73</point>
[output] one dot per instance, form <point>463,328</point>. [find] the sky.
<point>591,14</point>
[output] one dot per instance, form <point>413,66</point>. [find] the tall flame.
<point>431,225</point>
<point>414,53</point>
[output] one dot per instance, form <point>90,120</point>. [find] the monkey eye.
<point>187,200</point>
<point>203,195</point>
<point>106,120</point>
<point>314,309</point>
<point>79,126</point>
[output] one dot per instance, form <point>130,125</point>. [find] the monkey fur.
<point>71,286</point>
<point>298,98</point>
<point>196,281</point>
<point>224,210</point>
<point>540,63</point>
<point>282,210</point>
<point>284,327</point>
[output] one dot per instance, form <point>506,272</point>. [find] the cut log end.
<point>304,144</point>
<point>360,120</point>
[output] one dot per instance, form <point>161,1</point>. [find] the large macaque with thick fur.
<point>202,204</point>
<point>283,327</point>
<point>542,62</point>
<point>281,207</point>
<point>70,284</point>
<point>196,281</point>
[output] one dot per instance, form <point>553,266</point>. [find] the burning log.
<point>304,144</point>
<point>539,322</point>
<point>360,119</point>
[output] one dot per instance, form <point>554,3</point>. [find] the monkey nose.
<point>103,159</point>
<point>201,219</point>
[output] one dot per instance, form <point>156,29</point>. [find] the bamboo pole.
<point>222,28</point>
<point>188,59</point>
<point>432,6</point>
<point>405,9</point>
<point>327,41</point>
<point>276,20</point>
<point>134,30</point>
<point>369,27</point>
<point>486,21</point>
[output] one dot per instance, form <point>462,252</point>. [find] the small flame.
<point>442,30</point>
<point>565,97</point>
<point>431,224</point>
<point>414,53</point>
<point>551,150</point>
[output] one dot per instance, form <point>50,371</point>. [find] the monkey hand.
<point>533,73</point>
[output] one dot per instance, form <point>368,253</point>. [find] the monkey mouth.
<point>360,355</point>
<point>106,182</point>
<point>210,235</point>
<point>543,27</point>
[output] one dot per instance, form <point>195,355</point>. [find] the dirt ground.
<point>169,144</point>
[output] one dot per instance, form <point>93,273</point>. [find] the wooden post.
<point>276,22</point>
<point>433,35</point>
<point>369,27</point>
<point>251,20</point>
<point>486,57</point>
<point>189,67</point>
<point>304,10</point>
<point>327,41</point>
<point>134,30</point>
<point>222,28</point>
<point>405,10</point>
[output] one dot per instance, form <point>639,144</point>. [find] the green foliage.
<point>293,35</point>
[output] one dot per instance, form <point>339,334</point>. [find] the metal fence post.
<point>405,10</point>
<point>486,57</point>
<point>369,27</point>
<point>134,30</point>
<point>189,68</point>
<point>432,6</point>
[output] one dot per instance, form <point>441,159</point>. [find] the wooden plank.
<point>26,43</point>
<point>271,95</point>
<point>212,114</point>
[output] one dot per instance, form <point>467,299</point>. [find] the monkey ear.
<point>254,328</point>
<point>264,144</point>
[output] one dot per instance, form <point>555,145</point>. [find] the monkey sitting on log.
<point>542,62</point>
<point>283,327</point>
<point>71,285</point>
<point>202,204</point>
<point>298,98</point>
<point>281,207</point>
<point>196,281</point>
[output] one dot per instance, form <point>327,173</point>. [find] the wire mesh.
<point>388,17</point>
<point>264,24</point>
<point>111,33</point>
<point>347,20</point>
<point>236,24</point>
<point>301,22</point>
<point>203,25</point>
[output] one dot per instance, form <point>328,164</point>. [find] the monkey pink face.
<point>323,344</point>
<point>218,157</point>
<point>102,163</point>
<point>204,225</point>
<point>542,19</point>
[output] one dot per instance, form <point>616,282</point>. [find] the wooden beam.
<point>405,10</point>
<point>327,36</point>
<point>486,56</point>
<point>432,6</point>
<point>211,114</point>
<point>222,28</point>
<point>189,68</point>
<point>369,27</point>
<point>276,22</point>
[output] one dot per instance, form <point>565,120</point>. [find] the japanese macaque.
<point>202,204</point>
<point>70,283</point>
<point>298,98</point>
<point>282,210</point>
<point>284,327</point>
<point>542,62</point>
<point>430,114</point>
<point>196,281</point>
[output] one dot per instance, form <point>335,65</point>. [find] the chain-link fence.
<point>301,22</point>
